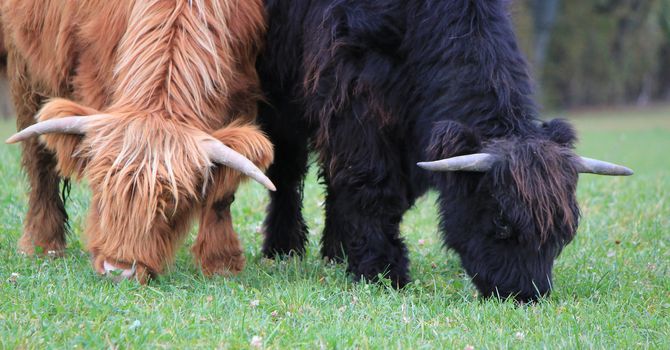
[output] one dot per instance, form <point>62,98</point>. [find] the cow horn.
<point>478,162</point>
<point>76,125</point>
<point>222,154</point>
<point>594,166</point>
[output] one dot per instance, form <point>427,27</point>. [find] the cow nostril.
<point>117,273</point>
<point>503,232</point>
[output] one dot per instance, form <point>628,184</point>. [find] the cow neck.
<point>170,62</point>
<point>473,71</point>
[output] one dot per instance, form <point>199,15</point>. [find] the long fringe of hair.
<point>163,72</point>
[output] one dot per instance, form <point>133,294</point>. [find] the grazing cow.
<point>142,98</point>
<point>373,87</point>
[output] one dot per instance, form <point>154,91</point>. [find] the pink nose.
<point>118,273</point>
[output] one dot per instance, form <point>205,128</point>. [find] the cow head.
<point>147,172</point>
<point>508,204</point>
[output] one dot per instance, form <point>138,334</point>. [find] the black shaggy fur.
<point>373,87</point>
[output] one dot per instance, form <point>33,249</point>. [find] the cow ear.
<point>561,132</point>
<point>66,147</point>
<point>450,138</point>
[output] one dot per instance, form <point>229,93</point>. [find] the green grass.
<point>612,284</point>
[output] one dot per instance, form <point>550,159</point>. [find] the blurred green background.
<point>582,53</point>
<point>586,53</point>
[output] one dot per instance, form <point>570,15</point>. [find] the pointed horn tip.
<point>13,139</point>
<point>619,171</point>
<point>425,165</point>
<point>265,181</point>
<point>599,167</point>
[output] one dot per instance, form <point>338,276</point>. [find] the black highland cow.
<point>373,87</point>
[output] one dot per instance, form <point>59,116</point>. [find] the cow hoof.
<point>227,267</point>
<point>30,248</point>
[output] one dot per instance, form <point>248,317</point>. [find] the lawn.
<point>612,284</point>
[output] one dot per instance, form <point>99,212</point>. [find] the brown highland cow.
<point>153,102</point>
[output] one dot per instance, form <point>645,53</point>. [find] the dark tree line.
<point>597,52</point>
<point>582,52</point>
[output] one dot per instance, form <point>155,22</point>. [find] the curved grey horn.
<point>76,125</point>
<point>478,162</point>
<point>594,166</point>
<point>222,154</point>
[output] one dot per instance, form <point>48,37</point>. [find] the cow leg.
<point>45,223</point>
<point>364,229</point>
<point>284,227</point>
<point>333,239</point>
<point>365,202</point>
<point>217,248</point>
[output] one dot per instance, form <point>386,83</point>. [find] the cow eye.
<point>503,229</point>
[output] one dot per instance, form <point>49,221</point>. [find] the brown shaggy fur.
<point>546,192</point>
<point>158,76</point>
